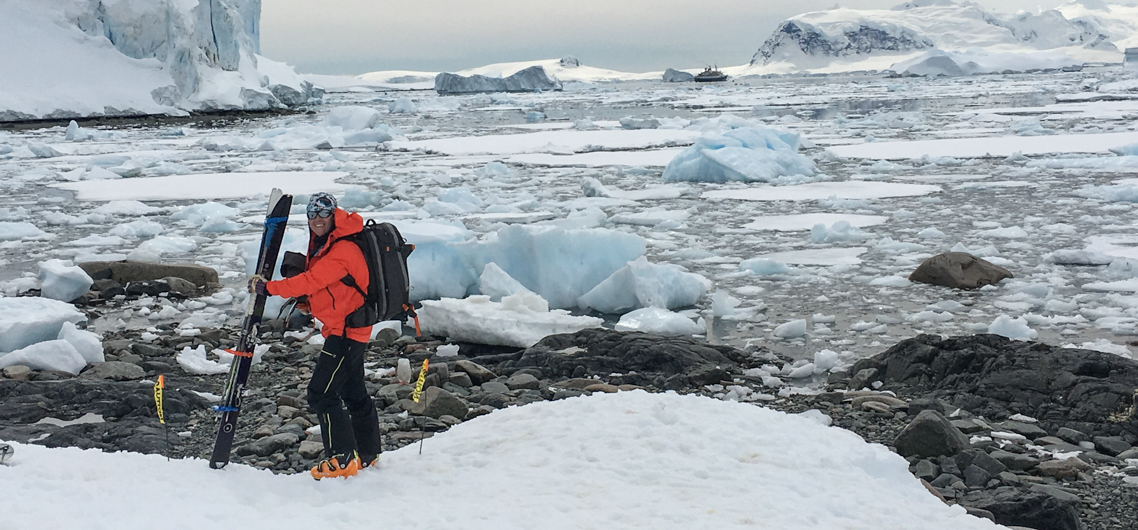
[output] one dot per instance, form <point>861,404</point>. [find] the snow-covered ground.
<point>627,460</point>
<point>1026,170</point>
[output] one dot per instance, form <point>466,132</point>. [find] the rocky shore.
<point>1024,433</point>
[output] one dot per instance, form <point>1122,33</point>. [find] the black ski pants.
<point>338,381</point>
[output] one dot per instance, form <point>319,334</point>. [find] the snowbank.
<point>753,154</point>
<point>521,320</point>
<point>129,57</point>
<point>618,461</point>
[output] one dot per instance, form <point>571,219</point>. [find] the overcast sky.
<point>357,36</point>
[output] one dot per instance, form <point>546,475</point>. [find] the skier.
<point>351,439</point>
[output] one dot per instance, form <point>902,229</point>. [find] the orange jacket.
<point>330,299</point>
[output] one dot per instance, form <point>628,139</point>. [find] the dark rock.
<point>521,380</point>
<point>148,350</point>
<point>945,480</point>
<point>930,434</point>
<point>1058,493</point>
<point>461,379</point>
<point>1072,436</point>
<point>1068,468</point>
<point>494,387</point>
<point>478,374</point>
<point>958,270</point>
<point>926,469</point>
<point>181,286</point>
<point>138,271</point>
<point>863,377</point>
<point>114,371</point>
<point>976,477</point>
<point>1111,445</point>
<point>385,337</point>
<point>268,445</point>
<point>436,403</point>
<point>1020,507</point>
<point>1013,461</point>
<point>918,405</point>
<point>951,466</point>
<point>1030,430</point>
<point>639,356</point>
<point>992,376</point>
<point>147,288</point>
<point>987,462</point>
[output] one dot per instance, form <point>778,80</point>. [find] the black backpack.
<point>388,295</point>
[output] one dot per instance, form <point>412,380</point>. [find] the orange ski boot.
<point>337,466</point>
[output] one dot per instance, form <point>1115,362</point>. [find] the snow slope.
<point>75,58</point>
<point>626,460</point>
<point>975,39</point>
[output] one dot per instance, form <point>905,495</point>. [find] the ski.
<point>275,221</point>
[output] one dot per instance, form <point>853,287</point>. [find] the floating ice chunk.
<point>62,280</point>
<point>125,208</point>
<point>643,284</point>
<point>791,330</point>
<point>838,232</point>
<point>1011,232</point>
<point>153,249</point>
<point>822,256</point>
<point>463,197</point>
<point>141,228</point>
<point>1105,346</point>
<point>651,217</point>
<point>48,355</point>
<point>209,214</point>
<point>447,350</point>
<point>930,316</point>
<point>1078,257</point>
<point>723,304</point>
<point>353,118</point>
<point>88,344</point>
<point>1125,150</point>
<point>21,230</point>
<point>891,281</point>
<point>888,245</point>
<point>763,266</point>
<point>402,106</point>
<point>511,323</point>
<point>825,360</point>
<point>746,154</point>
<point>496,283</point>
<point>560,265</point>
<point>930,233</point>
<point>1012,328</point>
<point>95,240</point>
<point>1110,193</point>
<point>194,361</point>
<point>658,320</point>
<point>28,320</point>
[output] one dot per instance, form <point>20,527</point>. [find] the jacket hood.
<point>346,224</point>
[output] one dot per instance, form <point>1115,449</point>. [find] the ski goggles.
<point>323,212</point>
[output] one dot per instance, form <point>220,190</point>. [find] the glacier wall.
<point>208,50</point>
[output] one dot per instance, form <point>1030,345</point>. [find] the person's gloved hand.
<point>258,285</point>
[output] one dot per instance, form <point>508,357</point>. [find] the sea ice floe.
<point>28,320</point>
<point>207,186</point>
<point>642,284</point>
<point>658,320</point>
<point>798,222</point>
<point>752,154</point>
<point>519,320</point>
<point>822,190</point>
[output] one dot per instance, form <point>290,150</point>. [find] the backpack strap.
<point>351,282</point>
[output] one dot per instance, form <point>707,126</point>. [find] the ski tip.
<point>274,197</point>
<point>217,465</point>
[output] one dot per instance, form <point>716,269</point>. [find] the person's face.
<point>320,225</point>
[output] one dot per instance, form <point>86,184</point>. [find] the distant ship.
<point>710,75</point>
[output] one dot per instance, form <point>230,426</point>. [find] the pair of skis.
<point>275,222</point>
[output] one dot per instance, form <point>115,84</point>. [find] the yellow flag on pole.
<point>419,384</point>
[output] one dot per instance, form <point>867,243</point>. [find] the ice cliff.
<point>70,58</point>
<point>1073,33</point>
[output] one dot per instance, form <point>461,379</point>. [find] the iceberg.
<point>658,320</point>
<point>676,76</point>
<point>74,58</point>
<point>518,321</point>
<point>48,355</point>
<point>63,280</point>
<point>496,283</point>
<point>26,320</point>
<point>532,79</point>
<point>752,154</point>
<point>641,284</point>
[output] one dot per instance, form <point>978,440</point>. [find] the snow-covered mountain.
<point>124,57</point>
<point>974,39</point>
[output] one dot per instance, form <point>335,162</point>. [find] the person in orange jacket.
<point>351,438</point>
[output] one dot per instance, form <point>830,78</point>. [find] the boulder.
<point>139,271</point>
<point>958,270</point>
<point>268,445</point>
<point>930,434</point>
<point>114,371</point>
<point>530,79</point>
<point>1022,507</point>
<point>676,76</point>
<point>478,374</point>
<point>641,357</point>
<point>436,403</point>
